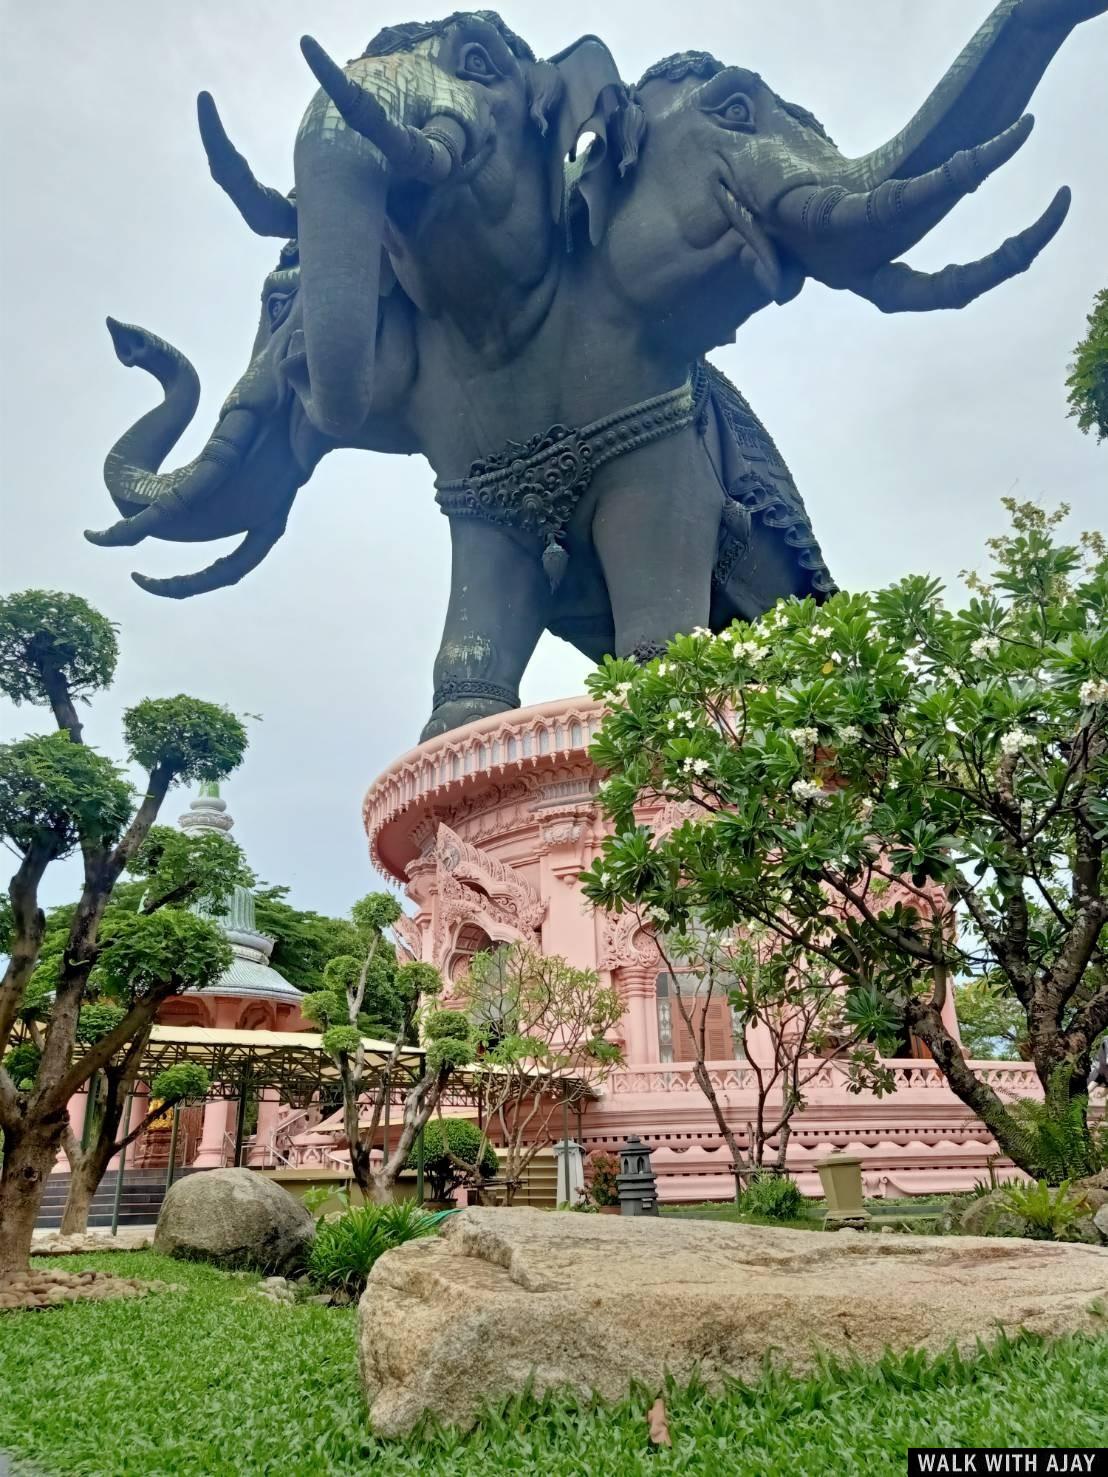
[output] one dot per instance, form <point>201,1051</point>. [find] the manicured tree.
<point>1088,380</point>
<point>455,1153</point>
<point>58,796</point>
<point>542,1027</point>
<point>371,994</point>
<point>907,791</point>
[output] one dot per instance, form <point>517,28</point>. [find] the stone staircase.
<point>143,1192</point>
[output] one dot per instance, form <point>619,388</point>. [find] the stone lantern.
<point>638,1191</point>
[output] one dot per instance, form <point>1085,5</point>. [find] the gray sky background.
<point>902,432</point>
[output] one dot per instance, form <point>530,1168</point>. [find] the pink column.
<point>210,1153</point>
<point>637,986</point>
<point>269,1111</point>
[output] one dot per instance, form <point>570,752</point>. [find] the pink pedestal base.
<point>488,827</point>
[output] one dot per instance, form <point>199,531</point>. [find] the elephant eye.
<point>277,306</point>
<point>475,62</point>
<point>737,112</point>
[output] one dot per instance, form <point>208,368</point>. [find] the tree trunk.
<point>927,1024</point>
<point>28,1160</point>
<point>83,1184</point>
<point>92,1165</point>
<point>419,1104</point>
<point>704,1082</point>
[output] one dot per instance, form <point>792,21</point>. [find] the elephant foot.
<point>454,709</point>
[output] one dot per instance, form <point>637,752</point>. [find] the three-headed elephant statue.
<point>516,268</point>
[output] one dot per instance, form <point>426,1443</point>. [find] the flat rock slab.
<point>593,1303</point>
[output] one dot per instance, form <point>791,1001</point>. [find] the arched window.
<point>471,939</point>
<point>677,1037</point>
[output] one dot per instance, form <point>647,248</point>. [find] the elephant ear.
<point>594,100</point>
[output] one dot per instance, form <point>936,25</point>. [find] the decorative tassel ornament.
<point>555,561</point>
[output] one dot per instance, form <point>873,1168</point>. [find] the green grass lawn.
<point>217,1382</point>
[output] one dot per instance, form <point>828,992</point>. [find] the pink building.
<point>487,829</point>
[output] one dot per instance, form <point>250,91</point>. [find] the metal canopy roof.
<point>295,1063</point>
<point>292,1061</point>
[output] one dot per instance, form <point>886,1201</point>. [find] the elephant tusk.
<point>226,571</point>
<point>907,205</point>
<point>265,210</point>
<point>898,288</point>
<point>427,156</point>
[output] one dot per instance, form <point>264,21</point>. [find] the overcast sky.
<point>902,433</point>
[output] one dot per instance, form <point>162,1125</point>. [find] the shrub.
<point>1057,1141</point>
<point>773,1196</point>
<point>1049,1213</point>
<point>450,1149</point>
<point>602,1178</point>
<point>345,1249</point>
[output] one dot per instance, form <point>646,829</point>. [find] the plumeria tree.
<point>367,994</point>
<point>909,791</point>
<point>58,796</point>
<point>789,1009</point>
<point>542,1026</point>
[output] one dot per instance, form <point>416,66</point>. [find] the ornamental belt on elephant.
<point>534,486</point>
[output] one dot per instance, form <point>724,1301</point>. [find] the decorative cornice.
<point>435,777</point>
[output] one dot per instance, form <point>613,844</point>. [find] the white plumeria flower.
<point>622,689</point>
<point>865,809</point>
<point>694,766</point>
<point>984,646</point>
<point>835,656</point>
<point>663,669</point>
<point>700,631</point>
<point>807,790</point>
<point>823,632</point>
<point>671,725</point>
<point>1016,740</point>
<point>805,737</point>
<point>850,733</point>
<point>1094,691</point>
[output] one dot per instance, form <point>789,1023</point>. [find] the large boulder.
<point>236,1219</point>
<point>507,1297</point>
<point>991,1215</point>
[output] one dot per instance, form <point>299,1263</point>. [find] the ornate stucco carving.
<point>624,943</point>
<point>466,863</point>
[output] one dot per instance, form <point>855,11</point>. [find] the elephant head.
<point>408,163</point>
<point>738,195</point>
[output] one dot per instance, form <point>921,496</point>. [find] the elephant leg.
<point>656,531</point>
<point>499,603</point>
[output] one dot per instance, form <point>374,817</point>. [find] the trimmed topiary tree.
<point>455,1152</point>
<point>58,797</point>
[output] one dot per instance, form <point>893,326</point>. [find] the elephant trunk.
<point>182,504</point>
<point>142,448</point>
<point>159,503</point>
<point>378,120</point>
<point>983,93</point>
<point>341,191</point>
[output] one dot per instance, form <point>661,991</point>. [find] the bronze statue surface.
<point>516,267</point>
